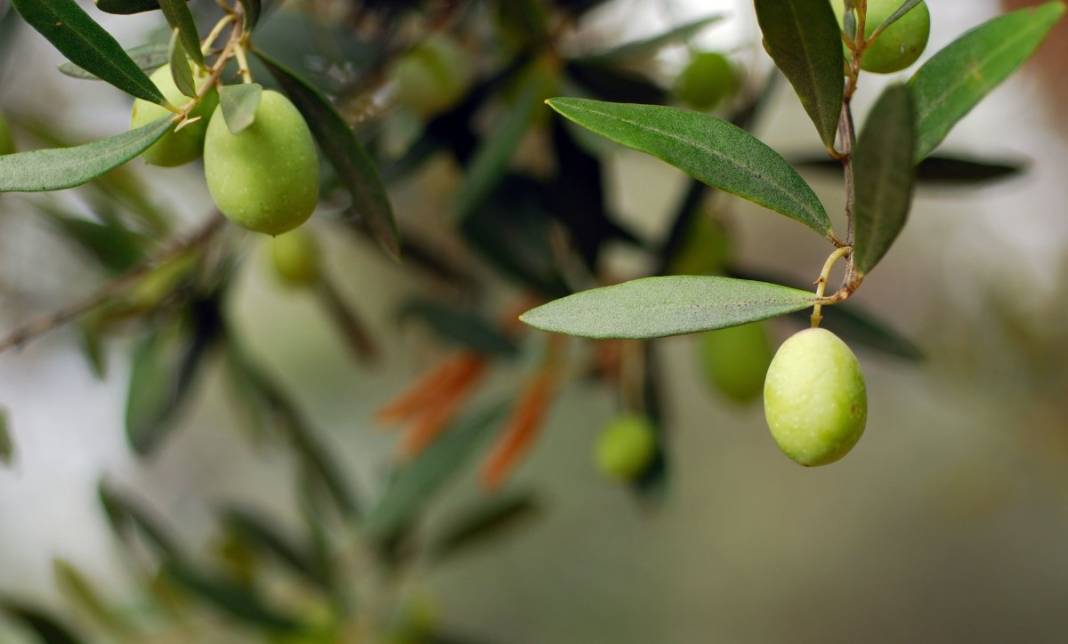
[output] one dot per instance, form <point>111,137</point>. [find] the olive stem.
<point>216,31</point>
<point>821,283</point>
<point>242,63</point>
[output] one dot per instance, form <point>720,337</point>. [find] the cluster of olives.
<point>264,178</point>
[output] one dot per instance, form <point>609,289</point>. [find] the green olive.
<point>901,44</point>
<point>626,447</point>
<point>815,401</point>
<point>295,258</point>
<point>265,178</point>
<point>706,81</point>
<point>185,145</point>
<point>7,144</point>
<point>432,77</point>
<point>706,250</point>
<point>735,360</point>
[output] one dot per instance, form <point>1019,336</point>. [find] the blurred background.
<point>946,523</point>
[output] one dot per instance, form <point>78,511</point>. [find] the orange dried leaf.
<point>519,432</point>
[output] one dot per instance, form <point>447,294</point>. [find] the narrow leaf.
<point>706,148</point>
<point>180,18</point>
<point>955,79</point>
<point>111,244</point>
<point>181,72</point>
<point>56,169</point>
<point>128,516</point>
<point>87,44</point>
<point>79,591</point>
<point>906,6</point>
<point>459,326</point>
<point>351,161</point>
<point>941,170</point>
<point>47,628</point>
<point>268,538</point>
<point>147,57</point>
<point>649,46</point>
<point>805,41</point>
<point>252,10</point>
<point>239,104</point>
<point>655,307</point>
<point>127,7</point>
<point>885,175</point>
<point>485,520</point>
<point>7,446</point>
<point>230,598</point>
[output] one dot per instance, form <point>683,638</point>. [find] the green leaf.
<point>128,516</point>
<point>48,629</point>
<point>259,533</point>
<point>56,169</point>
<point>79,591</point>
<point>906,6</point>
<point>147,57</point>
<point>230,598</point>
<point>180,18</point>
<point>7,446</point>
<point>487,519</point>
<point>350,160</point>
<point>955,79</point>
<point>252,11</point>
<point>805,41</point>
<point>460,326</point>
<point>127,7</point>
<point>88,45</point>
<point>415,484</point>
<point>885,175</point>
<point>111,244</point>
<point>239,104</point>
<point>181,72</point>
<point>656,307</point>
<point>649,46</point>
<point>940,170</point>
<point>706,148</point>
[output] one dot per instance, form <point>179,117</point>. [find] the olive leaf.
<point>955,79</point>
<point>706,148</point>
<point>260,533</point>
<point>127,7</point>
<point>7,446</point>
<point>147,57</point>
<point>885,175</point>
<point>181,72</point>
<point>79,591</point>
<point>938,170</point>
<point>655,307</point>
<point>649,46</point>
<point>56,169</point>
<point>181,19</point>
<point>484,520</point>
<point>239,104</point>
<point>459,326</point>
<point>252,10</point>
<point>805,42</point>
<point>88,45</point>
<point>899,13</point>
<point>48,628</point>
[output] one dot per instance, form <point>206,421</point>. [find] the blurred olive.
<point>7,144</point>
<point>295,258</point>
<point>706,249</point>
<point>735,360</point>
<point>433,76</point>
<point>626,447</point>
<point>706,81</point>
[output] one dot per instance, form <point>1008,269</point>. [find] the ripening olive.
<point>706,81</point>
<point>735,360</point>
<point>7,144</point>
<point>626,447</point>
<point>295,258</point>
<point>433,76</point>
<point>815,401</point>
<point>175,148</point>
<point>265,178</point>
<point>900,44</point>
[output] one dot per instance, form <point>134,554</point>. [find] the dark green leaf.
<point>941,171</point>
<point>414,484</point>
<point>259,533</point>
<point>128,516</point>
<point>127,7</point>
<point>884,175</point>
<point>180,18</point>
<point>7,446</point>
<point>649,46</point>
<point>463,327</point>
<point>655,307</point>
<point>805,41</point>
<point>56,169</point>
<point>955,79</point>
<point>348,156</point>
<point>708,149</point>
<point>47,628</point>
<point>181,72</point>
<point>486,520</point>
<point>147,57</point>
<point>252,11</point>
<point>230,598</point>
<point>239,104</point>
<point>614,83</point>
<point>86,44</point>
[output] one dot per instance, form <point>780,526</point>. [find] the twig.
<point>45,323</point>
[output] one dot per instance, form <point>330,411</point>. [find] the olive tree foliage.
<point>308,115</point>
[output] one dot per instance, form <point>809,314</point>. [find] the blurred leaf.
<point>267,538</point>
<point>414,484</point>
<point>88,45</point>
<point>7,446</point>
<point>92,347</point>
<point>230,598</point>
<point>42,170</point>
<point>805,41</point>
<point>463,327</point>
<point>348,322</point>
<point>127,516</point>
<point>655,307</point>
<point>252,11</point>
<point>79,591</point>
<point>110,244</point>
<point>239,104</point>
<point>614,84</point>
<point>348,156</point>
<point>649,46</point>
<point>955,79</point>
<point>47,628</point>
<point>494,154</point>
<point>127,7</point>
<point>884,175</point>
<point>147,57</point>
<point>181,19</point>
<point>707,148</point>
<point>906,6</point>
<point>485,520</point>
<point>937,170</point>
<point>181,72</point>
<point>522,23</point>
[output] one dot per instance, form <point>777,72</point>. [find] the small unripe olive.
<point>185,145</point>
<point>265,178</point>
<point>706,81</point>
<point>735,360</point>
<point>433,76</point>
<point>295,258</point>
<point>815,401</point>
<point>707,249</point>
<point>7,144</point>
<point>626,447</point>
<point>901,44</point>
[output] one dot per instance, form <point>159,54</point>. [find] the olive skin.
<point>901,44</point>
<point>735,360</point>
<point>7,144</point>
<point>625,447</point>
<point>185,145</point>
<point>266,178</point>
<point>432,77</point>
<point>815,400</point>
<point>295,258</point>
<point>706,81</point>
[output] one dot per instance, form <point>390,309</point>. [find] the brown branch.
<point>45,323</point>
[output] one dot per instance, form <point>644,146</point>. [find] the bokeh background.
<point>946,523</point>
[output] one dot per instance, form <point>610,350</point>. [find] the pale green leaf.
<point>239,104</point>
<point>147,57</point>
<point>653,44</point>
<point>181,72</point>
<point>179,17</point>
